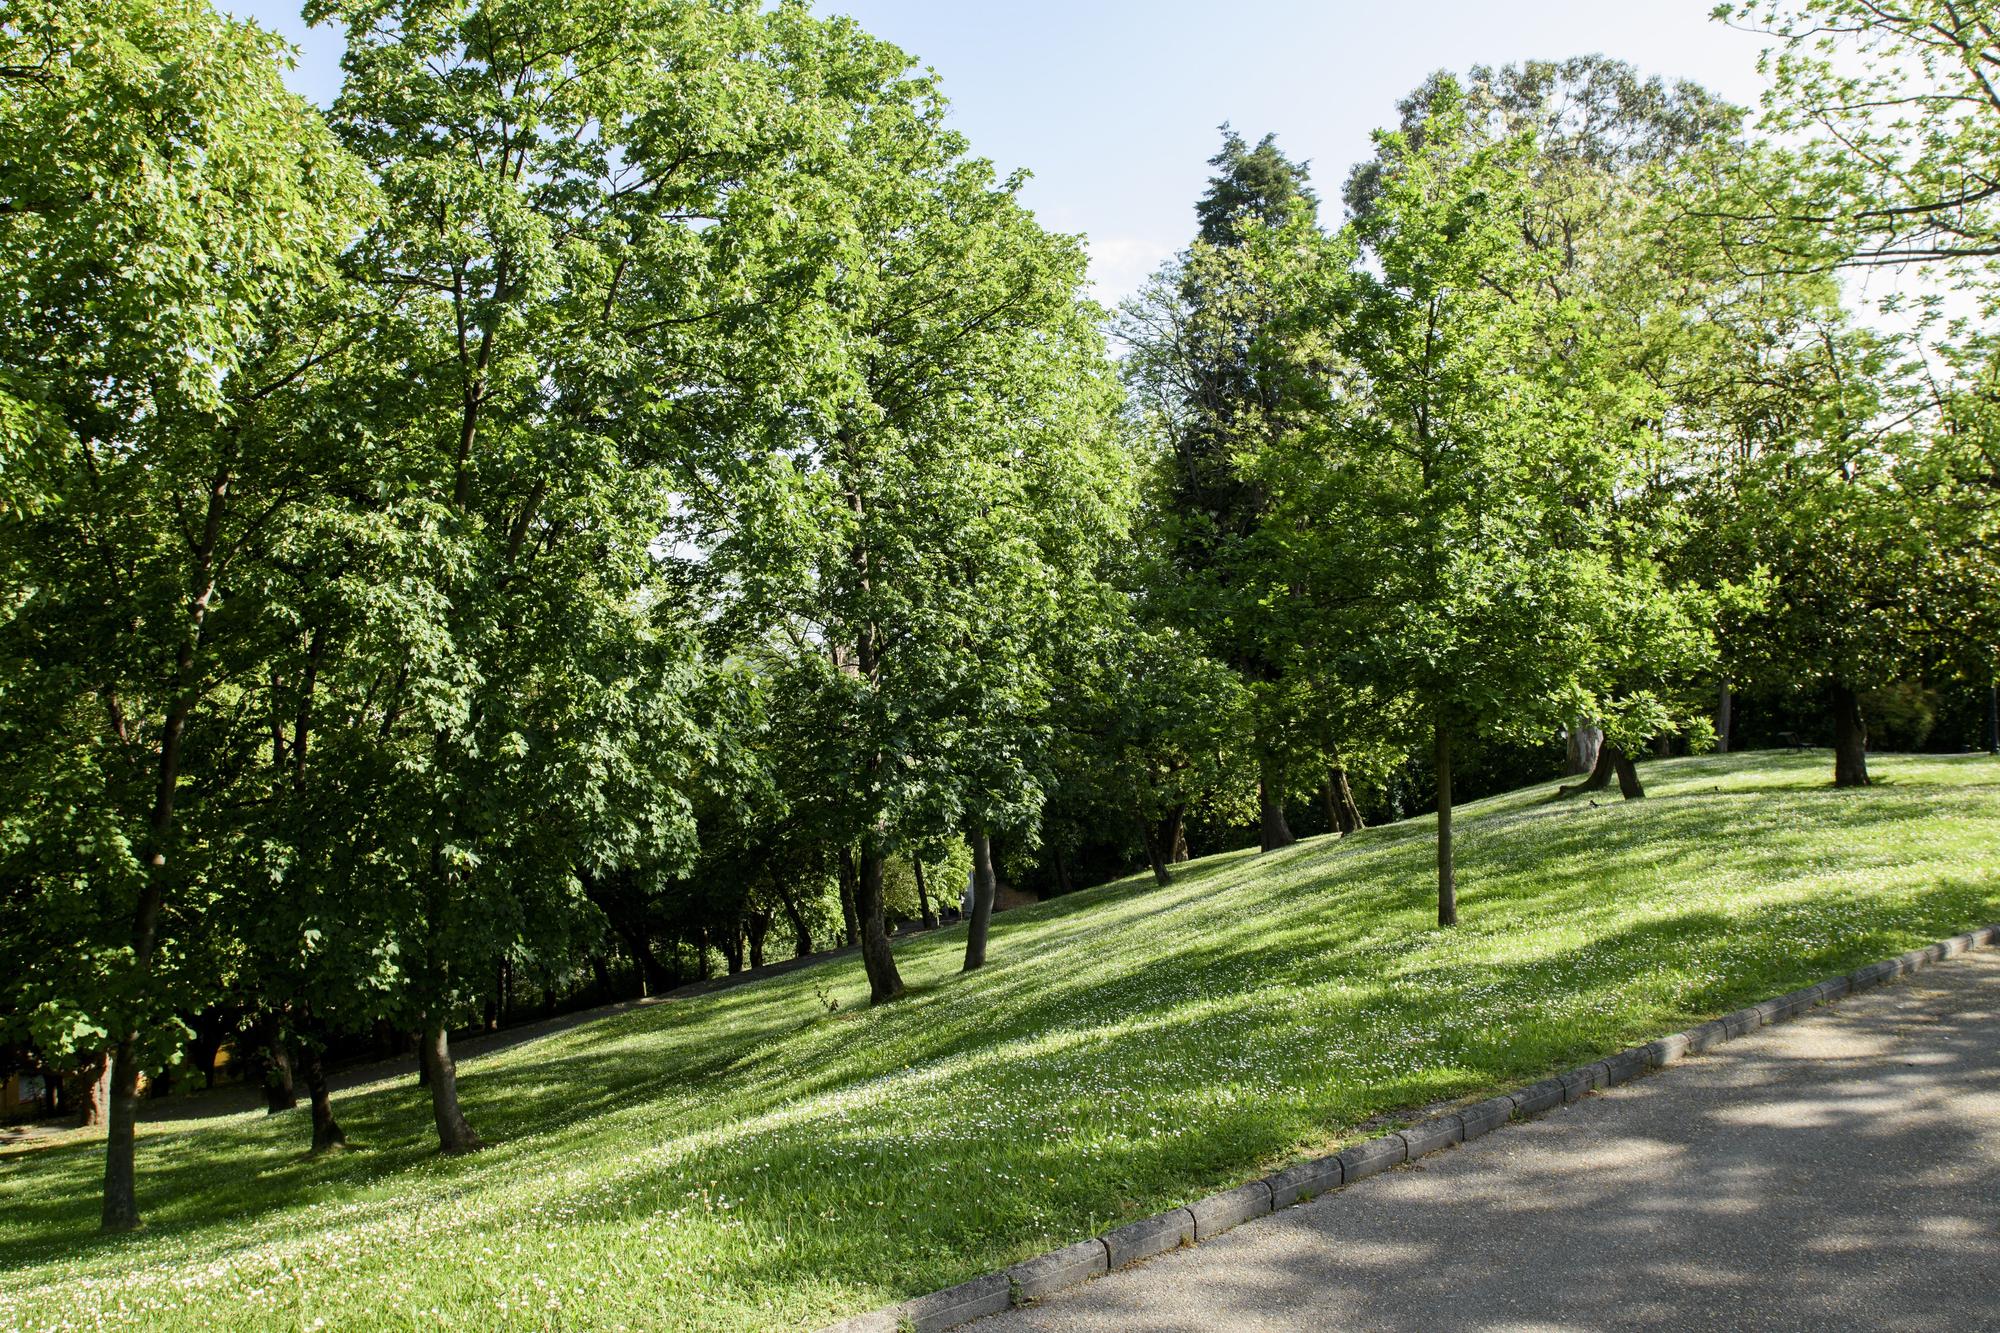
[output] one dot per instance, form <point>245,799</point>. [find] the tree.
<point>1463,571</point>
<point>1200,390</point>
<point>578,210</point>
<point>157,143</point>
<point>895,532</point>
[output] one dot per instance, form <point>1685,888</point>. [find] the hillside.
<point>757,1159</point>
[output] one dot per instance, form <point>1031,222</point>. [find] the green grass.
<point>750,1160</point>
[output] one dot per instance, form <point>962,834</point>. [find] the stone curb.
<point>1046,1274</point>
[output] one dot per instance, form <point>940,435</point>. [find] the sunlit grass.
<point>750,1160</point>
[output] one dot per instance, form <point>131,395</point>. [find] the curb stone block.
<point>1219,1212</point>
<point>1577,1082</point>
<point>1149,1236</point>
<point>1865,978</point>
<point>957,1305</point>
<point>1803,1000</point>
<point>1427,1136</point>
<point>1370,1158</point>
<point>1771,1011</point>
<point>1304,1180</point>
<point>1833,988</point>
<point>1539,1097</point>
<point>1741,1022</point>
<point>1669,1050</point>
<point>1625,1066</point>
<point>1485,1117</point>
<point>1706,1037</point>
<point>1046,1274</point>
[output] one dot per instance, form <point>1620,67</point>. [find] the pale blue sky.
<point>1113,104</point>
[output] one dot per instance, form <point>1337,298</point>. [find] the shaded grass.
<point>749,1160</point>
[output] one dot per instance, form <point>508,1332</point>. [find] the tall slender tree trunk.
<point>1850,740</point>
<point>985,886</point>
<point>1343,814</point>
<point>1272,830</point>
<point>121,1197</point>
<point>802,938</point>
<point>455,1136</point>
<point>327,1133</point>
<point>1447,871</point>
<point>1155,857</point>
<point>848,874</point>
<point>756,926</point>
<point>1173,835</point>
<point>1993,719</point>
<point>1725,716</point>
<point>877,959</point>
<point>923,894</point>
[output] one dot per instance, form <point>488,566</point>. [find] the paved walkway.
<point>1839,1171</point>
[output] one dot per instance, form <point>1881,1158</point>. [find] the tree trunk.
<point>454,1135</point>
<point>1173,835</point>
<point>1611,762</point>
<point>877,959</point>
<point>1628,775</point>
<point>847,904</point>
<point>1272,830</point>
<point>1725,716</point>
<point>1447,872</point>
<point>281,1091</point>
<point>1850,740</point>
<point>121,1193</point>
<point>1343,815</point>
<point>802,938</point>
<point>732,949</point>
<point>327,1133</point>
<point>704,968</point>
<point>121,1196</point>
<point>1154,856</point>
<point>1993,719</point>
<point>756,926</point>
<point>1663,745</point>
<point>923,894</point>
<point>1586,742</point>
<point>90,1088</point>
<point>984,886</point>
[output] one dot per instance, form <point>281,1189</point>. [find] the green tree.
<point>1201,391</point>
<point>1465,573</point>
<point>164,201</point>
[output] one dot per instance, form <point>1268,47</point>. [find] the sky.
<point>1113,105</point>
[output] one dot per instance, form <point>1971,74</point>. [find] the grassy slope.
<point>749,1159</point>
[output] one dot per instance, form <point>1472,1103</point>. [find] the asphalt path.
<point>1841,1171</point>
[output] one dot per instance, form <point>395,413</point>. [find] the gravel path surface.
<point>1838,1171</point>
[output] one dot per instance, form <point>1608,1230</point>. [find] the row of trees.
<point>626,477</point>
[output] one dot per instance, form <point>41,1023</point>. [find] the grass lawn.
<point>751,1160</point>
